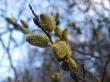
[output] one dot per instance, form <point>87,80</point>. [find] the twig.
<point>88,54</point>
<point>76,74</point>
<point>84,73</point>
<point>94,78</point>
<point>105,67</point>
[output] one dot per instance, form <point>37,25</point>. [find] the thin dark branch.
<point>76,74</point>
<point>93,77</point>
<point>105,68</point>
<point>89,54</point>
<point>84,73</point>
<point>36,16</point>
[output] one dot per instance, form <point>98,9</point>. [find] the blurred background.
<point>88,22</point>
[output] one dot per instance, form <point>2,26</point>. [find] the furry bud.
<point>10,20</point>
<point>47,22</point>
<point>72,63</point>
<point>71,24</point>
<point>95,33</point>
<point>65,34</point>
<point>61,50</point>
<point>55,77</point>
<point>57,40</point>
<point>58,32</point>
<point>37,39</point>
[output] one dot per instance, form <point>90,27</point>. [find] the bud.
<point>100,26</point>
<point>72,63</point>
<point>78,30</point>
<point>99,20</point>
<point>71,24</point>
<point>55,77</point>
<point>106,19</point>
<point>61,50</point>
<point>95,33</point>
<point>9,79</point>
<point>58,32</point>
<point>16,26</point>
<point>10,20</point>
<point>47,22</point>
<point>24,30</point>
<point>57,40</point>
<point>37,39</point>
<point>24,23</point>
<point>65,34</point>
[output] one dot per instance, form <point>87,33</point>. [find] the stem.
<point>105,67</point>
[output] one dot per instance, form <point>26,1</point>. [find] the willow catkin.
<point>10,20</point>
<point>58,32</point>
<point>47,22</point>
<point>65,34</point>
<point>72,63</point>
<point>61,50</point>
<point>37,39</point>
<point>57,40</point>
<point>55,77</point>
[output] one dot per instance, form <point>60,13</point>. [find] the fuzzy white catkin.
<point>37,39</point>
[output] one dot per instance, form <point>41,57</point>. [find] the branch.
<point>105,68</point>
<point>9,56</point>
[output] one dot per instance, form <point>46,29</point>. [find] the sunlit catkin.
<point>72,63</point>
<point>58,32</point>
<point>65,34</point>
<point>55,77</point>
<point>47,22</point>
<point>37,39</point>
<point>61,50</point>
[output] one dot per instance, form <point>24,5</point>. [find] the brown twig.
<point>84,73</point>
<point>105,68</point>
<point>94,78</point>
<point>76,74</point>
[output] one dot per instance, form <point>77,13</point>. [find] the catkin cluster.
<point>49,25</point>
